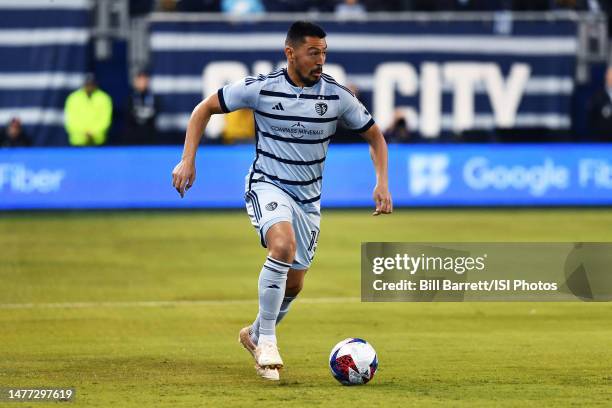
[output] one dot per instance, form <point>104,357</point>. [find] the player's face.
<point>309,58</point>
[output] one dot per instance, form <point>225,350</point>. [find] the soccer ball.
<point>353,361</point>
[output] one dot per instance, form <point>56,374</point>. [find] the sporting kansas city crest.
<point>321,108</point>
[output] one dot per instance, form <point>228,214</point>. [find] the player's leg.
<point>295,283</point>
<point>249,335</point>
<point>271,215</point>
<point>280,240</point>
<point>306,233</point>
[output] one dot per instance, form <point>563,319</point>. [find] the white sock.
<point>271,289</point>
<point>254,332</point>
<point>267,337</point>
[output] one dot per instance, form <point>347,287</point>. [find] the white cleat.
<point>244,338</point>
<point>267,373</point>
<point>267,355</point>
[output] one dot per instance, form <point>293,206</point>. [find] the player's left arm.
<point>378,152</point>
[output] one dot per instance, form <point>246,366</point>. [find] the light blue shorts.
<point>267,205</point>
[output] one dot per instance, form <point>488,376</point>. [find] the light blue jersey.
<point>293,128</point>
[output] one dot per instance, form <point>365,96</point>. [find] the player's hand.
<point>183,176</point>
<point>382,198</point>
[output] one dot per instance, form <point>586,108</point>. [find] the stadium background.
<point>466,85</point>
<point>141,307</point>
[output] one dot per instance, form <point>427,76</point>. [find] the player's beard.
<point>306,80</point>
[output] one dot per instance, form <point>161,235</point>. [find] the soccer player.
<point>296,111</point>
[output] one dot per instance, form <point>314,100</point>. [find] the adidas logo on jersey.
<point>278,106</point>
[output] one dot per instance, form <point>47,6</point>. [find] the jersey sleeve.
<point>240,94</point>
<point>354,115</point>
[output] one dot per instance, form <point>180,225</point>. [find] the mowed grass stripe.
<point>163,303</point>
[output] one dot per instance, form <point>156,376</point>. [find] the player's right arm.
<point>183,175</point>
<point>238,95</point>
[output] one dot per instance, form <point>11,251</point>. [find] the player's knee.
<point>282,248</point>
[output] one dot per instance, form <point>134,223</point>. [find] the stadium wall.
<point>45,53</point>
<point>420,175</point>
<point>444,76</point>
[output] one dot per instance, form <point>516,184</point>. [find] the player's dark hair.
<point>301,29</point>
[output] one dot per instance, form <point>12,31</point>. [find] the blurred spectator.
<point>398,132</point>
<point>600,111</point>
<point>167,5</point>
<point>350,9</point>
<point>141,112</point>
<point>242,7</point>
<point>239,127</point>
<point>88,114</point>
<point>14,135</point>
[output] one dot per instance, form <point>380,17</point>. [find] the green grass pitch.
<point>142,309</point>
